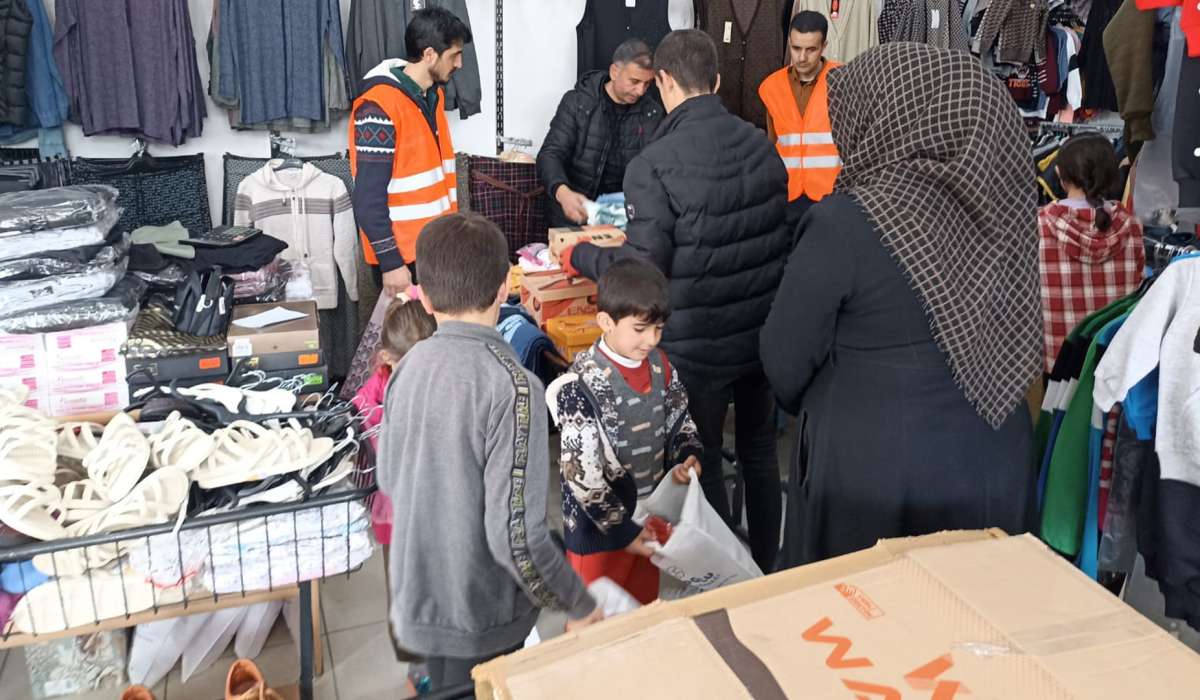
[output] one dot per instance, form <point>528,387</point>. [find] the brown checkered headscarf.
<point>935,152</point>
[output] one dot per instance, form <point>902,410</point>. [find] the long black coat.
<point>889,445</point>
<point>580,142</point>
<point>707,201</point>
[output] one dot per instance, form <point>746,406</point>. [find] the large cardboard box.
<point>604,236</point>
<point>573,334</point>
<point>300,335</point>
<point>954,616</point>
<point>548,295</point>
<point>210,366</point>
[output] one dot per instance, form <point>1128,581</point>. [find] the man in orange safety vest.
<point>797,104</point>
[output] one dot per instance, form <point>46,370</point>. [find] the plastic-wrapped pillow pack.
<point>119,304</point>
<point>90,280</point>
<point>55,208</point>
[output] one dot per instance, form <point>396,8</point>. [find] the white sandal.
<point>120,458</point>
<point>82,500</point>
<point>66,603</point>
<point>156,499</point>
<point>27,446</point>
<point>29,509</point>
<point>180,444</point>
<point>229,397</point>
<point>13,395</point>
<point>244,401</point>
<point>77,440</point>
<point>250,452</point>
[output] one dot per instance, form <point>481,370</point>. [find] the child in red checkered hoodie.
<point>1091,250</point>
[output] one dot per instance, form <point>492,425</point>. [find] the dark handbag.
<point>204,303</point>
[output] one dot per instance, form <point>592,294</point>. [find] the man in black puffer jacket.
<point>707,202</point>
<point>599,127</point>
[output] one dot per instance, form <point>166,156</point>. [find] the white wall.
<point>539,66</point>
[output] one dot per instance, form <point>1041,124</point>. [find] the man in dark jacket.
<point>707,202</point>
<point>599,127</point>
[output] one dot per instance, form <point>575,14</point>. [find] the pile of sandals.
<point>195,451</point>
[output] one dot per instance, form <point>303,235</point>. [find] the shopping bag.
<point>702,551</point>
<point>156,647</point>
<point>208,637</point>
<point>255,628</point>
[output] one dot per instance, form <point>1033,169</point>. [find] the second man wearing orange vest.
<point>798,115</point>
<point>402,158</point>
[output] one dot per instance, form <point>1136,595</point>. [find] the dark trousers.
<point>447,672</point>
<point>754,433</point>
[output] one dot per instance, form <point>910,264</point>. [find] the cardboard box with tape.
<point>953,616</point>
<point>548,295</point>
<point>604,236</point>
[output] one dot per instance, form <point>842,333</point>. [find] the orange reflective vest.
<point>424,185</point>
<point>804,141</point>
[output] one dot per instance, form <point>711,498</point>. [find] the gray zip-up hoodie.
<point>464,457</point>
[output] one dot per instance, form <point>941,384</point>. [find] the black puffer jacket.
<point>580,145</point>
<point>706,202</point>
<point>15,23</point>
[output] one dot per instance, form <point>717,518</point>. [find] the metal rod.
<point>29,551</point>
<point>306,641</point>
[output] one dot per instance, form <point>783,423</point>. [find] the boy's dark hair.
<point>634,287</point>
<point>434,28</point>
<point>405,324</point>
<point>690,57</point>
<point>1089,162</point>
<point>809,21</point>
<point>634,51</point>
<point>464,260</point>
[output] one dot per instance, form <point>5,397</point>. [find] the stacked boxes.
<point>68,372</point>
<point>290,351</point>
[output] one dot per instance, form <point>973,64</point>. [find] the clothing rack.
<point>1160,253</point>
<point>517,142</point>
<point>500,77</point>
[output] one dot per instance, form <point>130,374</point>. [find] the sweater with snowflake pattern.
<point>599,492</point>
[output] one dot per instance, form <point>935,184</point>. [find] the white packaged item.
<point>108,377</point>
<point>21,354</point>
<point>702,551</point>
<point>85,347</point>
<point>84,402</point>
<point>26,295</point>
<point>611,598</point>
<point>156,647</point>
<point>208,639</point>
<point>32,382</point>
<point>255,628</point>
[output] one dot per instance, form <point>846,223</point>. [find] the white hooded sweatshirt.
<point>311,211</point>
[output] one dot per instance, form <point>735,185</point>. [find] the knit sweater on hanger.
<point>310,211</point>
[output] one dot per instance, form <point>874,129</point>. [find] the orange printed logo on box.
<point>210,363</point>
<point>310,359</point>
<point>860,600</point>
<point>924,679</point>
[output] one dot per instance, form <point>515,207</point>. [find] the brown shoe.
<point>244,682</point>
<point>137,692</point>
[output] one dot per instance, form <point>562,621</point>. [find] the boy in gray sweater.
<point>464,457</point>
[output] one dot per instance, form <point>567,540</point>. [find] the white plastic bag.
<point>255,628</point>
<point>208,638</point>
<point>156,647</point>
<point>702,551</point>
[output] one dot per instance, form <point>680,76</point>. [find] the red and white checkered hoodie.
<point>1084,269</point>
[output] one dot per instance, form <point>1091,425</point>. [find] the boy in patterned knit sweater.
<point>623,415</point>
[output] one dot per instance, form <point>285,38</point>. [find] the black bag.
<point>204,303</point>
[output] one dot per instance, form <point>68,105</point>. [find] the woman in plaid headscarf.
<point>906,330</point>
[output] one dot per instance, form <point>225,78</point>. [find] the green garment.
<point>1064,507</point>
<point>168,240</point>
